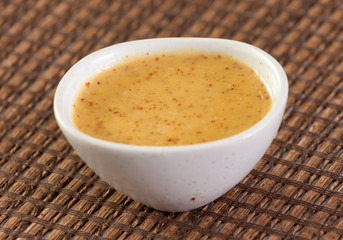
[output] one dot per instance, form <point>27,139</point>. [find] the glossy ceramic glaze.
<point>174,178</point>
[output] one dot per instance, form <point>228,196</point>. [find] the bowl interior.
<point>267,67</point>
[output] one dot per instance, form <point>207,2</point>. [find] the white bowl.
<point>174,178</point>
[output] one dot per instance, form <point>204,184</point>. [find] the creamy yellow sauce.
<point>172,98</point>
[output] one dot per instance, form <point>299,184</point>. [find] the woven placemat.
<point>47,191</point>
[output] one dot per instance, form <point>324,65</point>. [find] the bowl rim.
<point>277,105</point>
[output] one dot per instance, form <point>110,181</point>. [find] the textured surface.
<point>46,191</point>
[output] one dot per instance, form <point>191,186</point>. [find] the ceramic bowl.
<point>174,178</point>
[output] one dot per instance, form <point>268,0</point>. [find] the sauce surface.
<point>172,98</point>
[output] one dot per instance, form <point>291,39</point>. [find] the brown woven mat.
<point>47,191</point>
